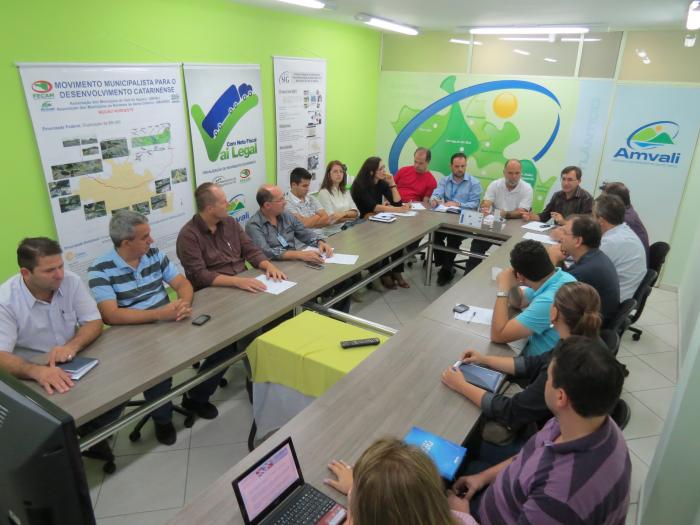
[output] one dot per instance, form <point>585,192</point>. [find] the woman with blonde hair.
<point>394,483</point>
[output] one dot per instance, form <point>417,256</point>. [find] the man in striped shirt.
<point>577,468</point>
<point>127,284</point>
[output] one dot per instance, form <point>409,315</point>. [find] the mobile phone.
<point>201,319</point>
<point>460,308</point>
<point>315,266</point>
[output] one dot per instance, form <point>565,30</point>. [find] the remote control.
<point>359,342</point>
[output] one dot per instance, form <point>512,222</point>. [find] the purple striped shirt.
<point>582,481</point>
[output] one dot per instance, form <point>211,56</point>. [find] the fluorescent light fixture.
<point>646,60</point>
<point>313,4</point>
<point>537,30</point>
<point>527,38</point>
<point>521,52</point>
<point>689,40</point>
<point>391,26</point>
<point>641,53</point>
<point>693,22</point>
<point>568,39</point>
<point>465,42</point>
<point>552,60</point>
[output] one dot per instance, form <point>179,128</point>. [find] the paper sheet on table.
<point>443,209</point>
<point>275,287</point>
<point>518,346</point>
<point>537,226</point>
<point>417,206</point>
<point>545,239</point>
<point>405,214</point>
<point>341,258</point>
<point>476,314</point>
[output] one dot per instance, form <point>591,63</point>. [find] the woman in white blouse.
<point>334,198</point>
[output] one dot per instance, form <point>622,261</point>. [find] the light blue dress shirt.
<point>466,192</point>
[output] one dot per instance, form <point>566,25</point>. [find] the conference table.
<point>395,388</point>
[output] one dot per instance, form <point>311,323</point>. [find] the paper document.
<point>444,209</point>
<point>275,287</point>
<point>518,346</point>
<point>476,314</point>
<point>341,258</point>
<point>383,217</point>
<point>537,226</point>
<point>417,206</point>
<point>405,214</point>
<point>545,239</point>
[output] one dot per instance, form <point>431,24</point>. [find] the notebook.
<point>382,217</point>
<point>273,491</point>
<point>446,455</point>
<point>77,367</point>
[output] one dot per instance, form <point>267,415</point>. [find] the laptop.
<point>273,492</point>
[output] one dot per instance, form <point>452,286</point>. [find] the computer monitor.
<point>42,480</point>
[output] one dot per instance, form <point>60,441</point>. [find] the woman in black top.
<point>372,186</point>
<point>575,311</point>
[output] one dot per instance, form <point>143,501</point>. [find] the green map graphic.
<point>468,130</point>
<point>151,140</point>
<point>234,205</point>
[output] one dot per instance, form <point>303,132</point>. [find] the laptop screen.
<point>269,482</point>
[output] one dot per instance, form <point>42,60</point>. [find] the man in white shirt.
<point>510,195</point>
<point>305,207</point>
<point>620,243</point>
<point>47,309</point>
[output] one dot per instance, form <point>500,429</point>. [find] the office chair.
<point>135,434</point>
<point>657,257</point>
<point>621,412</point>
<point>641,295</point>
<point>611,340</point>
<point>622,319</point>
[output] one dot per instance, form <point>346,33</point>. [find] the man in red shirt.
<point>415,183</point>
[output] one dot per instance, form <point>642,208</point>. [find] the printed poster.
<point>110,137</point>
<point>300,110</point>
<point>226,121</point>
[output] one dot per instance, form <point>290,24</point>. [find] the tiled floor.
<point>153,482</point>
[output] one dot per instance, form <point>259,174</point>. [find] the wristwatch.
<point>501,293</point>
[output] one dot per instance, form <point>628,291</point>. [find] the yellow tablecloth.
<point>304,353</point>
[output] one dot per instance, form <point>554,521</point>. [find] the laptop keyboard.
<point>309,508</point>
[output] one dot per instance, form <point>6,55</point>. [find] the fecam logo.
<point>236,208</point>
<point>645,139</point>
<point>42,86</point>
<point>245,174</point>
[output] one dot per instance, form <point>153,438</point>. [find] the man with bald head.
<point>279,234</point>
<point>510,195</point>
<point>213,247</point>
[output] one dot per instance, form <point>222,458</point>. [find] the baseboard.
<point>668,287</point>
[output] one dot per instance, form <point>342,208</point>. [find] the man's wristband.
<point>501,293</point>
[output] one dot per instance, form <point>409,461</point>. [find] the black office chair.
<point>611,340</point>
<point>641,295</point>
<point>621,412</point>
<point>657,257</point>
<point>622,319</point>
<point>135,434</point>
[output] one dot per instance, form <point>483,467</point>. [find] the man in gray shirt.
<point>276,231</point>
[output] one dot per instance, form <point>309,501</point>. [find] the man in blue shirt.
<point>461,190</point>
<point>127,284</point>
<point>532,268</point>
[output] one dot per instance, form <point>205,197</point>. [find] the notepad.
<point>447,209</point>
<point>405,214</point>
<point>476,314</point>
<point>78,367</point>
<point>446,455</point>
<point>341,258</point>
<point>417,206</point>
<point>382,217</point>
<point>537,226</point>
<point>275,287</point>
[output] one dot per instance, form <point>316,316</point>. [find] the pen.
<point>456,365</point>
<point>472,317</point>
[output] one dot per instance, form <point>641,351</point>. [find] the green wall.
<point>156,31</point>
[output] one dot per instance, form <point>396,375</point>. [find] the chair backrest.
<point>657,255</point>
<point>611,340</point>
<point>622,320</point>
<point>642,293</point>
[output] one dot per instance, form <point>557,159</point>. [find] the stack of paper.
<point>537,226</point>
<point>78,367</point>
<point>405,214</point>
<point>545,239</point>
<point>476,314</point>
<point>383,217</point>
<point>417,206</point>
<point>446,209</point>
<point>275,287</point>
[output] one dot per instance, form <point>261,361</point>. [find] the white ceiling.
<point>450,15</point>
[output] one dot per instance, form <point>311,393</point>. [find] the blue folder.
<point>446,455</point>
